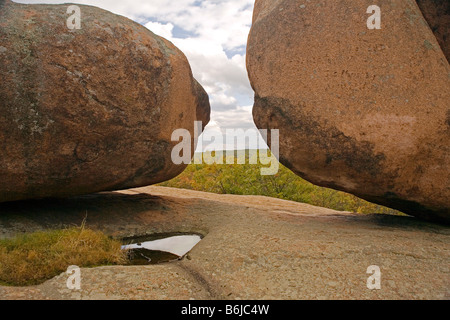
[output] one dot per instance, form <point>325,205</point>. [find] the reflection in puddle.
<point>158,249</point>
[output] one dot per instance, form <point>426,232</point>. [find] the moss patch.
<point>31,259</point>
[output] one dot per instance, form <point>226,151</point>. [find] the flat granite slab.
<point>254,248</point>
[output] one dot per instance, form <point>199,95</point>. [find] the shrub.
<point>247,180</point>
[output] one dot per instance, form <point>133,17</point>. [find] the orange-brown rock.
<point>88,110</point>
<point>359,110</point>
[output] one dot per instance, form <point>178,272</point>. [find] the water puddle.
<point>159,248</point>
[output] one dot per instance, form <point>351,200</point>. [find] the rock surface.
<point>437,14</point>
<point>362,111</point>
<point>88,110</point>
<point>254,248</point>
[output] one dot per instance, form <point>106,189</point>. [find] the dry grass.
<point>34,258</point>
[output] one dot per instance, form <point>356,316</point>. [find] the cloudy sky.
<point>213,35</point>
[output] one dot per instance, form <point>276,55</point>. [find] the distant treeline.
<point>246,179</point>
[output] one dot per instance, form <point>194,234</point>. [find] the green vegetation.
<point>34,258</point>
<point>246,179</point>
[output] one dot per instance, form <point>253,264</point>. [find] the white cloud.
<point>163,30</point>
<point>224,120</point>
<point>212,34</point>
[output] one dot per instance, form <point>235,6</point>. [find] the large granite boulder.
<point>359,110</point>
<point>90,109</point>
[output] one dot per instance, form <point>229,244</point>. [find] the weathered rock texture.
<point>88,110</point>
<point>437,14</point>
<point>254,248</point>
<point>359,110</point>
